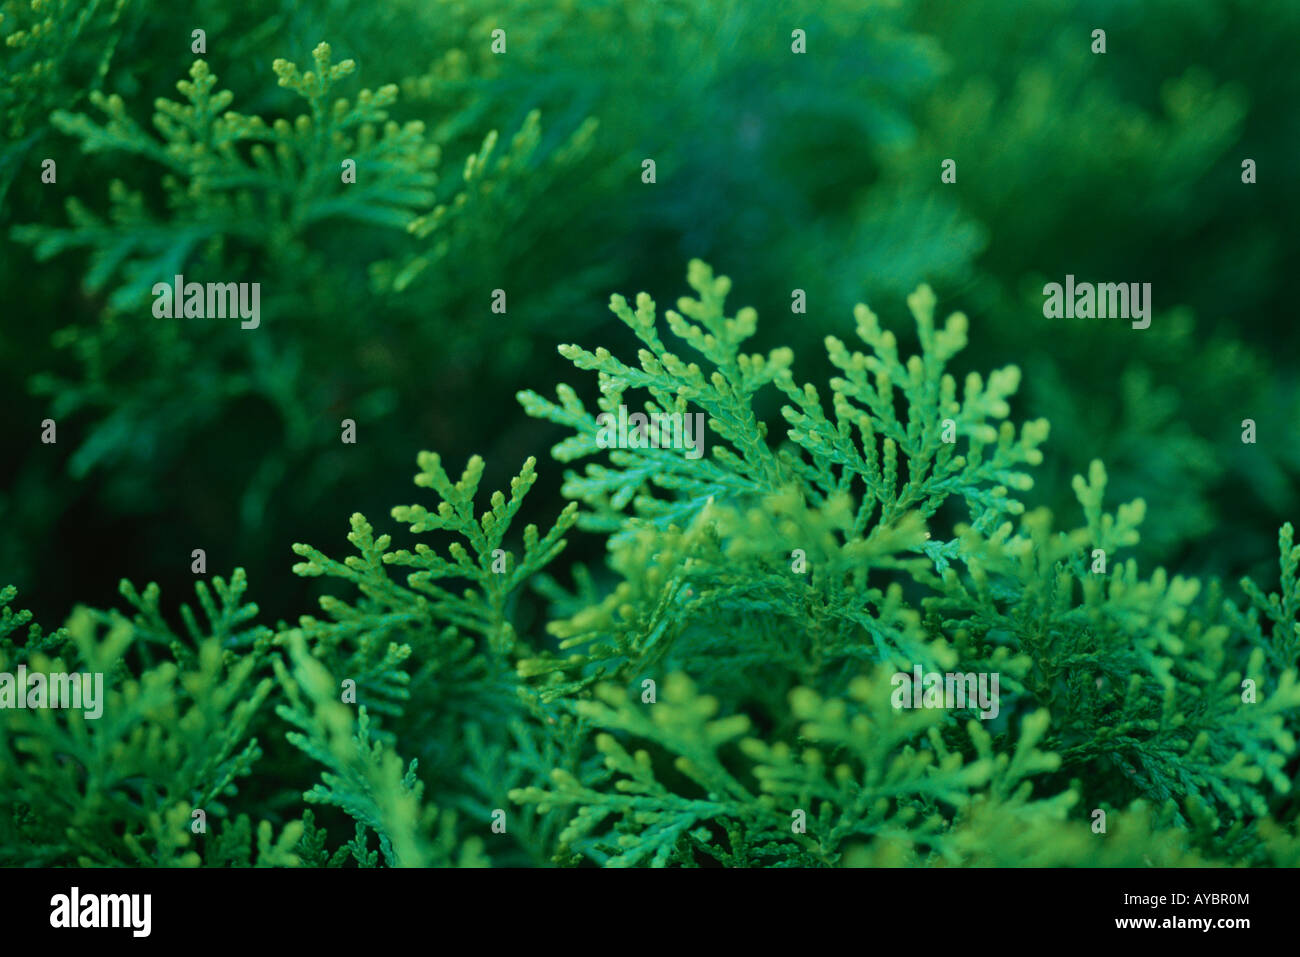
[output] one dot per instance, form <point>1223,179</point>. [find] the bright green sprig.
<point>171,739</point>
<point>230,176</point>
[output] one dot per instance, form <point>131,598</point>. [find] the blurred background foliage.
<point>522,171</point>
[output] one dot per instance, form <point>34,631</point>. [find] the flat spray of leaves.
<point>723,690</point>
<point>228,175</point>
<point>1130,687</point>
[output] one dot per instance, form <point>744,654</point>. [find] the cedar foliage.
<point>483,656</point>
<point>1121,692</point>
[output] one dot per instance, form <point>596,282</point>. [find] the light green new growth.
<point>122,788</point>
<point>726,689</point>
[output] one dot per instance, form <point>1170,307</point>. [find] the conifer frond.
<point>228,175</point>
<point>121,788</point>
<point>1281,609</point>
<point>858,771</point>
<point>424,600</point>
<point>717,546</point>
<point>51,51</point>
<point>799,543</point>
<point>1142,677</point>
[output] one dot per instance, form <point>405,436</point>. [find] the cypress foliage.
<point>710,604</point>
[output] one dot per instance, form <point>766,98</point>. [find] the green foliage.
<point>226,173</point>
<point>1109,166</point>
<point>878,785</point>
<point>223,175</point>
<point>1281,643</point>
<point>726,691</point>
<point>365,778</point>
<point>11,620</point>
<point>459,648</point>
<point>852,492</point>
<point>1142,681</point>
<point>423,607</point>
<point>50,52</point>
<point>700,642</point>
<point>219,195</point>
<point>173,737</point>
<point>816,171</point>
<point>1142,677</point>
